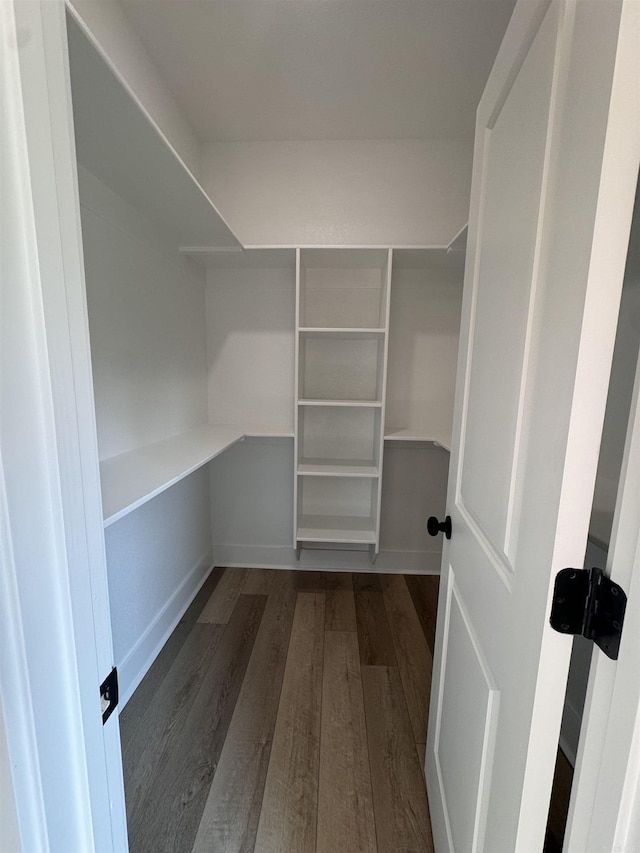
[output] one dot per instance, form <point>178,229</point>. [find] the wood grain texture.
<point>310,581</point>
<point>230,818</point>
<point>289,808</point>
<point>412,652</point>
<point>345,803</point>
<point>374,634</point>
<point>424,592</point>
<point>399,795</point>
<point>162,723</point>
<point>220,606</point>
<point>132,713</point>
<point>340,611</point>
<point>259,581</point>
<point>169,814</point>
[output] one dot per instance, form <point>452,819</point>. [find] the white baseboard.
<point>272,557</point>
<point>138,661</point>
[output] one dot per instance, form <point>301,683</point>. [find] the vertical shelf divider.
<point>386,309</point>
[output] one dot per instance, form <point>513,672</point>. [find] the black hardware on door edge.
<point>587,602</point>
<point>109,694</point>
<point>434,526</point>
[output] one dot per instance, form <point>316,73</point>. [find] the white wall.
<point>148,344</point>
<point>423,349</point>
<point>401,193</point>
<point>250,346</point>
<point>108,24</point>
<point>158,557</point>
<point>147,325</point>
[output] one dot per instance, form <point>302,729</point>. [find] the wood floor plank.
<point>424,592</point>
<point>165,717</point>
<point>340,611</point>
<point>289,808</point>
<point>230,818</point>
<point>399,795</point>
<point>168,816</point>
<point>345,802</point>
<point>374,634</point>
<point>339,580</point>
<point>412,652</point>
<point>259,581</point>
<point>143,696</point>
<point>308,581</point>
<point>220,606</point>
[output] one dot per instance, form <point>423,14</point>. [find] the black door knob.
<point>434,526</point>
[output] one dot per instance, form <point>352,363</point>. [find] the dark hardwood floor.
<point>287,713</point>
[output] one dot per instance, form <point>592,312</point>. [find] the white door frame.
<point>54,628</point>
<point>54,631</point>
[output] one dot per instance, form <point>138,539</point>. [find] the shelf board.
<point>119,143</point>
<point>338,468</point>
<point>326,332</point>
<point>133,478</point>
<point>338,529</point>
<point>439,437</point>
<point>352,404</point>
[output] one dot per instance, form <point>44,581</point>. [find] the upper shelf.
<point>440,437</point>
<point>121,145</point>
<point>133,478</point>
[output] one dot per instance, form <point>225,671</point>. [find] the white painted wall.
<point>158,557</point>
<point>9,832</point>
<point>250,342</point>
<point>108,24</point>
<point>148,343</point>
<point>423,349</point>
<point>146,319</point>
<point>400,193</point>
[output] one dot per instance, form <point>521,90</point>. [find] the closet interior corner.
<point>267,407</point>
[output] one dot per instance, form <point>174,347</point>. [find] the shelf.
<point>415,434</point>
<point>339,530</point>
<point>352,404</point>
<point>133,478</point>
<point>325,332</point>
<point>337,468</point>
<point>119,143</point>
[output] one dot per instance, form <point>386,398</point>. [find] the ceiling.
<point>258,70</point>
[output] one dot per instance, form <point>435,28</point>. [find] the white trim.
<point>139,660</point>
<point>320,559</point>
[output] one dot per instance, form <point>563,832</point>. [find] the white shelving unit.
<point>342,322</point>
<point>119,143</point>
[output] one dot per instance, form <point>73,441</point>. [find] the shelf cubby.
<point>340,510</point>
<point>343,288</point>
<point>347,367</point>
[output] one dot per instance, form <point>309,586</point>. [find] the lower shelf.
<point>338,468</point>
<point>340,530</point>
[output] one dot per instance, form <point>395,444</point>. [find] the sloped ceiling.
<point>273,70</point>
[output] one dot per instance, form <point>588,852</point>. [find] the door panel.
<point>551,204</point>
<point>465,723</point>
<point>504,287</point>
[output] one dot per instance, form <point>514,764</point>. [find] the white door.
<point>55,629</point>
<point>555,168</point>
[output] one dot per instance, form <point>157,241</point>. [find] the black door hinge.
<point>589,603</point>
<point>109,694</point>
